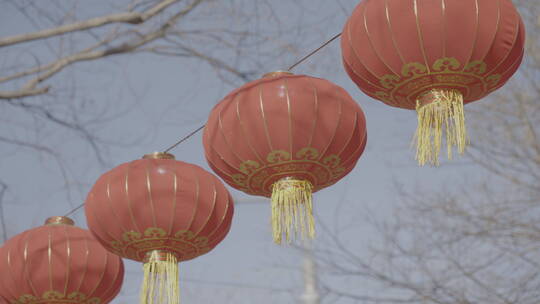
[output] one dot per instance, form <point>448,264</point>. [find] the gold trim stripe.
<point>355,52</point>
<point>511,49</point>
<point>373,46</point>
<point>110,204</point>
<point>420,36</point>
<point>289,115</point>
<point>149,189</point>
<point>243,129</point>
<point>340,111</point>
<point>477,27</point>
<point>174,202</point>
<point>316,110</point>
<point>498,27</point>
<point>261,104</point>
<point>130,209</point>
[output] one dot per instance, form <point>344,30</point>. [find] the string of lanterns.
<point>283,136</point>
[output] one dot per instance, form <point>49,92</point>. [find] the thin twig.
<point>128,17</point>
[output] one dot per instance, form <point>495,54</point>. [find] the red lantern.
<point>159,211</point>
<point>285,136</point>
<point>58,263</point>
<point>433,56</point>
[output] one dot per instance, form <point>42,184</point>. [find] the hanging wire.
<point>74,210</point>
<point>314,52</point>
<point>201,127</point>
<point>184,139</point>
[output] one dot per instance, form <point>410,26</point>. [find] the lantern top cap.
<point>59,220</point>
<point>277,74</point>
<point>158,155</point>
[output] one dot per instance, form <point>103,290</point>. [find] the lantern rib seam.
<point>242,127</point>
<point>245,136</point>
<point>149,189</point>
<point>129,200</point>
<point>220,126</point>
<point>353,155</point>
<point>110,204</point>
<point>8,263</point>
<point>104,269</point>
<point>87,254</point>
<point>465,63</point>
<point>175,199</point>
<point>213,209</point>
<point>392,34</point>
<point>349,65</point>
<point>335,130</point>
<point>373,46</point>
<point>360,60</point>
<point>209,214</point>
<point>350,137</point>
<point>420,37</point>
<point>26,262</point>
<point>516,62</point>
<point>445,26</point>
<point>289,117</point>
<point>223,159</point>
<point>229,204</point>
<point>217,168</point>
<point>516,30</point>
<point>68,254</point>
<point>226,162</point>
<point>497,28</point>
<point>261,106</point>
<point>316,103</point>
<point>107,296</point>
<point>228,207</point>
<point>97,218</point>
<point>197,183</point>
<point>49,258</point>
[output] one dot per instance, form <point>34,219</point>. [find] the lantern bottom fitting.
<point>292,209</point>
<point>160,283</point>
<point>438,110</point>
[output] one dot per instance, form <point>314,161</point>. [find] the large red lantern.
<point>159,211</point>
<point>433,56</point>
<point>58,263</point>
<point>285,136</point>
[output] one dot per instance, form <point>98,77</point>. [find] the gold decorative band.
<point>54,296</point>
<point>158,155</point>
<point>276,74</point>
<point>159,255</point>
<point>59,220</point>
<point>433,95</point>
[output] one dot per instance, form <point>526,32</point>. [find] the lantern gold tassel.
<point>160,283</point>
<point>439,109</point>
<point>292,207</point>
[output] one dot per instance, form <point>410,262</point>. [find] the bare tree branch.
<point>49,70</point>
<point>126,17</point>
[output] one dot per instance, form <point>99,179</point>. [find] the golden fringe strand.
<point>160,283</point>
<point>444,110</point>
<point>292,207</point>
